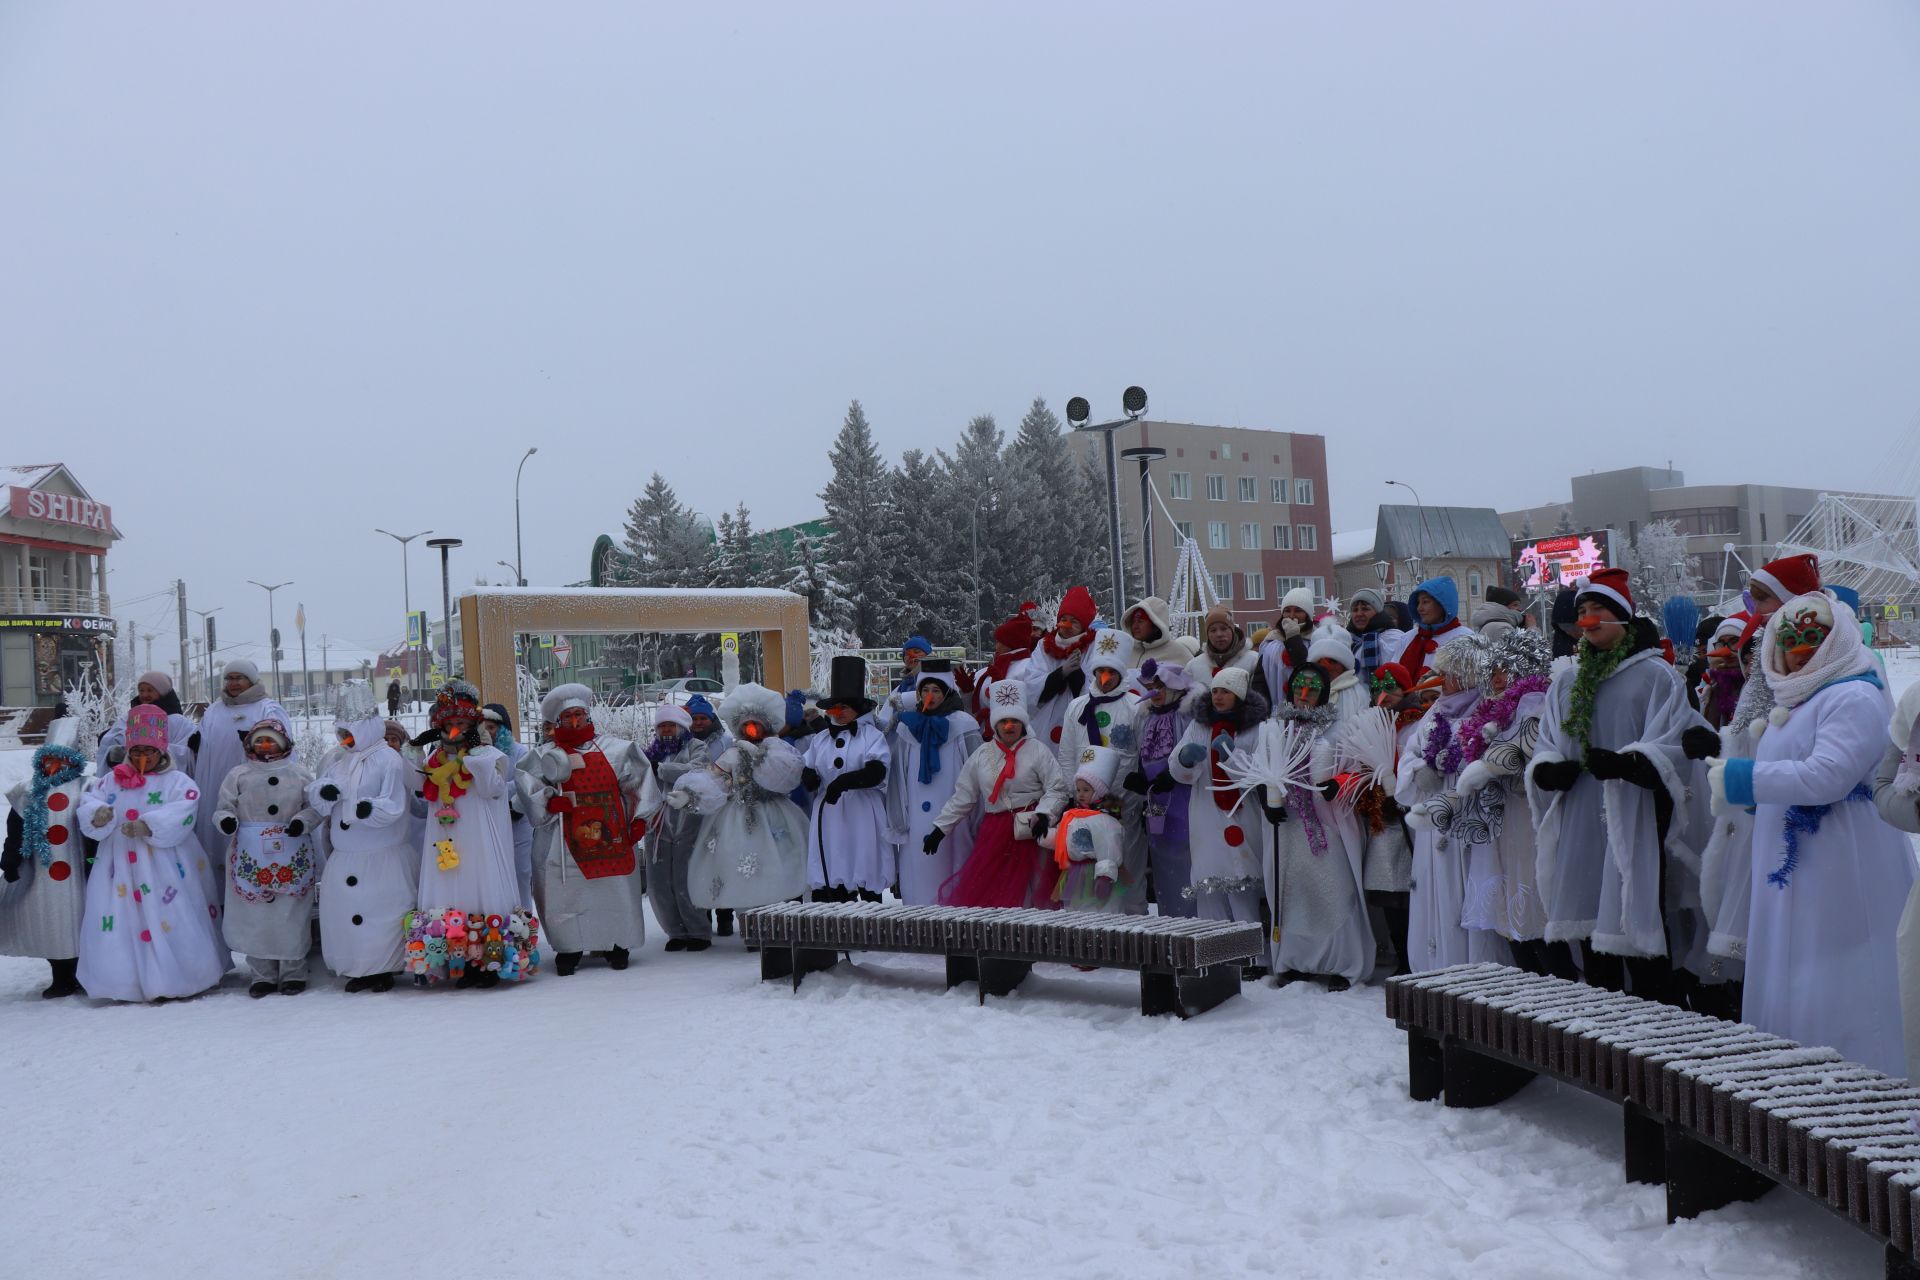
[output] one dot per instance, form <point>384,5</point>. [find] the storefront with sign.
<point>55,618</point>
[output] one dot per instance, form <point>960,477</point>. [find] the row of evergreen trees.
<point>900,557</point>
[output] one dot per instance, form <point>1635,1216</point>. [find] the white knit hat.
<point>669,713</point>
<point>1233,679</point>
<point>1111,648</point>
<point>1336,645</point>
<point>1005,701</point>
<point>1299,598</point>
<point>1098,765</point>
<point>563,697</point>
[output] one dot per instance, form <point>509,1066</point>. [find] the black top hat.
<point>847,684</point>
<point>936,666</point>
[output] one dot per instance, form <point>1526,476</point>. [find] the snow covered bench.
<point>1717,1111</point>
<point>1186,966</point>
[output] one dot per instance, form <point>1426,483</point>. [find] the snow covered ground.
<point>683,1119</point>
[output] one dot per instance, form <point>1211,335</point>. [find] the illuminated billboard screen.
<point>1550,562</point>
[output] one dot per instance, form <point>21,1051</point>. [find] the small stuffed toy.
<point>436,957</point>
<point>456,922</point>
<point>446,859</point>
<point>417,959</point>
<point>495,951</point>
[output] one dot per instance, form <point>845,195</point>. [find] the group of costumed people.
<point>1555,795</point>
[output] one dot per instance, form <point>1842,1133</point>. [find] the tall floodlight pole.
<point>519,564</point>
<point>1134,401</point>
<point>446,545</point>
<point>1146,455</point>
<point>406,589</point>
<point>273,630</point>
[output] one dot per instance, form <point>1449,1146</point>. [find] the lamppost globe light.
<point>1078,410</point>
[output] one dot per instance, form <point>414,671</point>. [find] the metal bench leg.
<point>998,977</point>
<point>1900,1266</point>
<point>961,969</point>
<point>1646,1146</point>
<point>1425,1066</point>
<point>1188,994</point>
<point>1475,1080</point>
<point>794,962</point>
<point>1159,994</point>
<point>775,962</point>
<point>1700,1178</point>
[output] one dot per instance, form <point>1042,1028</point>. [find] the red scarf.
<point>996,670</point>
<point>1426,642</point>
<point>1060,653</point>
<point>1223,799</point>
<point>1006,767</point>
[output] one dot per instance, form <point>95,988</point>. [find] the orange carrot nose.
<point>1594,624</point>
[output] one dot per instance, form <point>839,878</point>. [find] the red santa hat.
<point>1789,576</point>
<point>1611,586</point>
<point>1078,605</point>
<point>1017,632</point>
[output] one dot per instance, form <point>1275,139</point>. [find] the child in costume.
<point>751,849</point>
<point>1011,789</point>
<point>1087,846</point>
<point>372,876</point>
<point>43,867</point>
<point>930,743</point>
<point>271,862</point>
<point>674,753</point>
<point>468,891</point>
<point>582,789</point>
<point>149,932</point>
<point>1108,715</point>
<point>849,853</point>
<point>1163,798</point>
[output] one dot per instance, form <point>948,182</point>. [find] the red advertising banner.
<point>58,508</point>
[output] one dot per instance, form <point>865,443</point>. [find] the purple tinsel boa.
<point>1497,713</point>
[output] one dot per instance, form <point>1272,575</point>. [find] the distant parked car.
<point>678,691</point>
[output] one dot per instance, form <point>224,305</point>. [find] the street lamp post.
<point>1134,402</point>
<point>206,642</point>
<point>273,630</point>
<point>1146,455</point>
<point>1382,570</point>
<point>1425,533</point>
<point>446,545</point>
<point>519,564</point>
<point>406,596</point>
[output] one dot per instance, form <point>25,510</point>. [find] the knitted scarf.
<point>1595,666</point>
<point>33,822</point>
<point>1161,732</point>
<point>1494,716</point>
<point>1071,649</point>
<point>930,731</point>
<point>1425,643</point>
<point>1090,715</point>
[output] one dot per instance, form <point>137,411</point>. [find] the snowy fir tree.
<point>830,611</point>
<point>934,601</point>
<point>665,543</point>
<point>856,498</point>
<point>1659,566</point>
<point>977,475</point>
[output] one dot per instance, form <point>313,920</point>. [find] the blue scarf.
<point>931,733</point>
<point>33,823</point>
<point>1090,714</point>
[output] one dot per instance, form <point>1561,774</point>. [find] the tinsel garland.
<point>33,821</point>
<point>1221,884</point>
<point>1497,714</point>
<point>1724,685</point>
<point>1316,833</point>
<point>1370,805</point>
<point>1805,819</point>
<point>1320,717</point>
<point>1440,738</point>
<point>1595,665</point>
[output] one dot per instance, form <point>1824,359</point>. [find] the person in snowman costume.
<point>43,865</point>
<point>271,861</point>
<point>751,849</point>
<point>929,744</point>
<point>1108,715</point>
<point>849,852</point>
<point>1088,845</point>
<point>1010,790</point>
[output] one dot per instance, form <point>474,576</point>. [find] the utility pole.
<point>186,662</point>
<point>149,637</point>
<point>306,673</point>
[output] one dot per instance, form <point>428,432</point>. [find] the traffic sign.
<point>729,643</point>
<point>563,651</point>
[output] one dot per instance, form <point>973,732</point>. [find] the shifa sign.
<point>58,508</point>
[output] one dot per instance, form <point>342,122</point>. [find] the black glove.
<point>1165,782</point>
<point>835,789</point>
<point>329,792</point>
<point>1608,766</point>
<point>228,825</point>
<point>1637,769</point>
<point>363,810</point>
<point>1556,775</point>
<point>931,844</point>
<point>1276,813</point>
<point>193,742</point>
<point>1135,782</point>
<point>1391,810</point>
<point>1330,789</point>
<point>1055,682</point>
<point>1040,822</point>
<point>1700,743</point>
<point>1076,681</point>
<point>11,857</point>
<point>810,778</point>
<point>296,828</point>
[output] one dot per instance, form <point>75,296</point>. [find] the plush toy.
<point>510,965</point>
<point>456,922</point>
<point>476,944</point>
<point>436,959</point>
<point>496,951</point>
<point>417,959</point>
<point>447,859</point>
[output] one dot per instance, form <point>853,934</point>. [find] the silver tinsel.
<point>1521,653</point>
<point>1221,884</point>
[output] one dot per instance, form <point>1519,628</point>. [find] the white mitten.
<point>1417,819</point>
<point>679,798</point>
<point>1474,777</point>
<point>575,762</point>
<point>1428,778</point>
<point>1717,781</point>
<point>102,816</point>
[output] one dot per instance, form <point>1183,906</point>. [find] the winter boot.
<point>565,962</point>
<point>471,978</point>
<point>1394,907</point>
<point>1333,982</point>
<point>292,988</point>
<point>676,944</point>
<point>696,944</point>
<point>1287,978</point>
<point>488,980</point>
<point>261,989</point>
<point>380,982</point>
<point>64,981</point>
<point>617,958</point>
<point>723,922</point>
<point>359,984</point>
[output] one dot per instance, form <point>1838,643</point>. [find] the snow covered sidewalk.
<point>684,1119</point>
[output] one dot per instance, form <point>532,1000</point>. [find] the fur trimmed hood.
<point>1197,706</point>
<point>753,702</point>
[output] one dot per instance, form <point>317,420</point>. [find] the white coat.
<point>1227,832</point>
<point>847,841</point>
<point>372,876</point>
<point>578,914</point>
<point>1036,784</point>
<point>913,805</point>
<point>221,727</point>
<point>270,873</point>
<point>483,881</point>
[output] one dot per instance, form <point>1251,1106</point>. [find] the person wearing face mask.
<point>1163,798</point>
<point>927,749</point>
<point>43,865</point>
<point>751,848</point>
<point>849,853</point>
<point>1011,789</point>
<point>243,703</point>
<point>271,862</point>
<point>1771,583</point>
<point>1056,672</point>
<point>153,688</point>
<point>148,932</point>
<point>1108,714</point>
<point>586,792</point>
<point>671,755</point>
<point>1228,832</point>
<point>1830,878</point>
<point>1612,790</point>
<point>365,793</point>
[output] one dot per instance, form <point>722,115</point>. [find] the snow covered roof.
<point>638,593</point>
<point>29,474</point>
<point>1429,532</point>
<point>1352,545</point>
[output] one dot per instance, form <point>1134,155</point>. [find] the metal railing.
<point>55,600</point>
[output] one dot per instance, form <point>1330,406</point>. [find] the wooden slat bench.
<point>1716,1111</point>
<point>1186,966</point>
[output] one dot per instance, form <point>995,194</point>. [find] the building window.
<point>1306,538</point>
<point>1185,528</point>
<point>1217,534</point>
<point>1283,537</point>
<point>1223,585</point>
<point>1280,490</point>
<point>1180,484</point>
<point>1303,493</point>
<point>1284,584</point>
<point>1473,584</point>
<point>1216,488</point>
<point>1255,585</point>
<point>1249,490</point>
<point>1704,520</point>
<point>1249,537</point>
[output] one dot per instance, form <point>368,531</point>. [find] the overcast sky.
<point>273,275</point>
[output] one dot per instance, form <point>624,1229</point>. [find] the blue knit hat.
<point>917,642</point>
<point>698,705</point>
